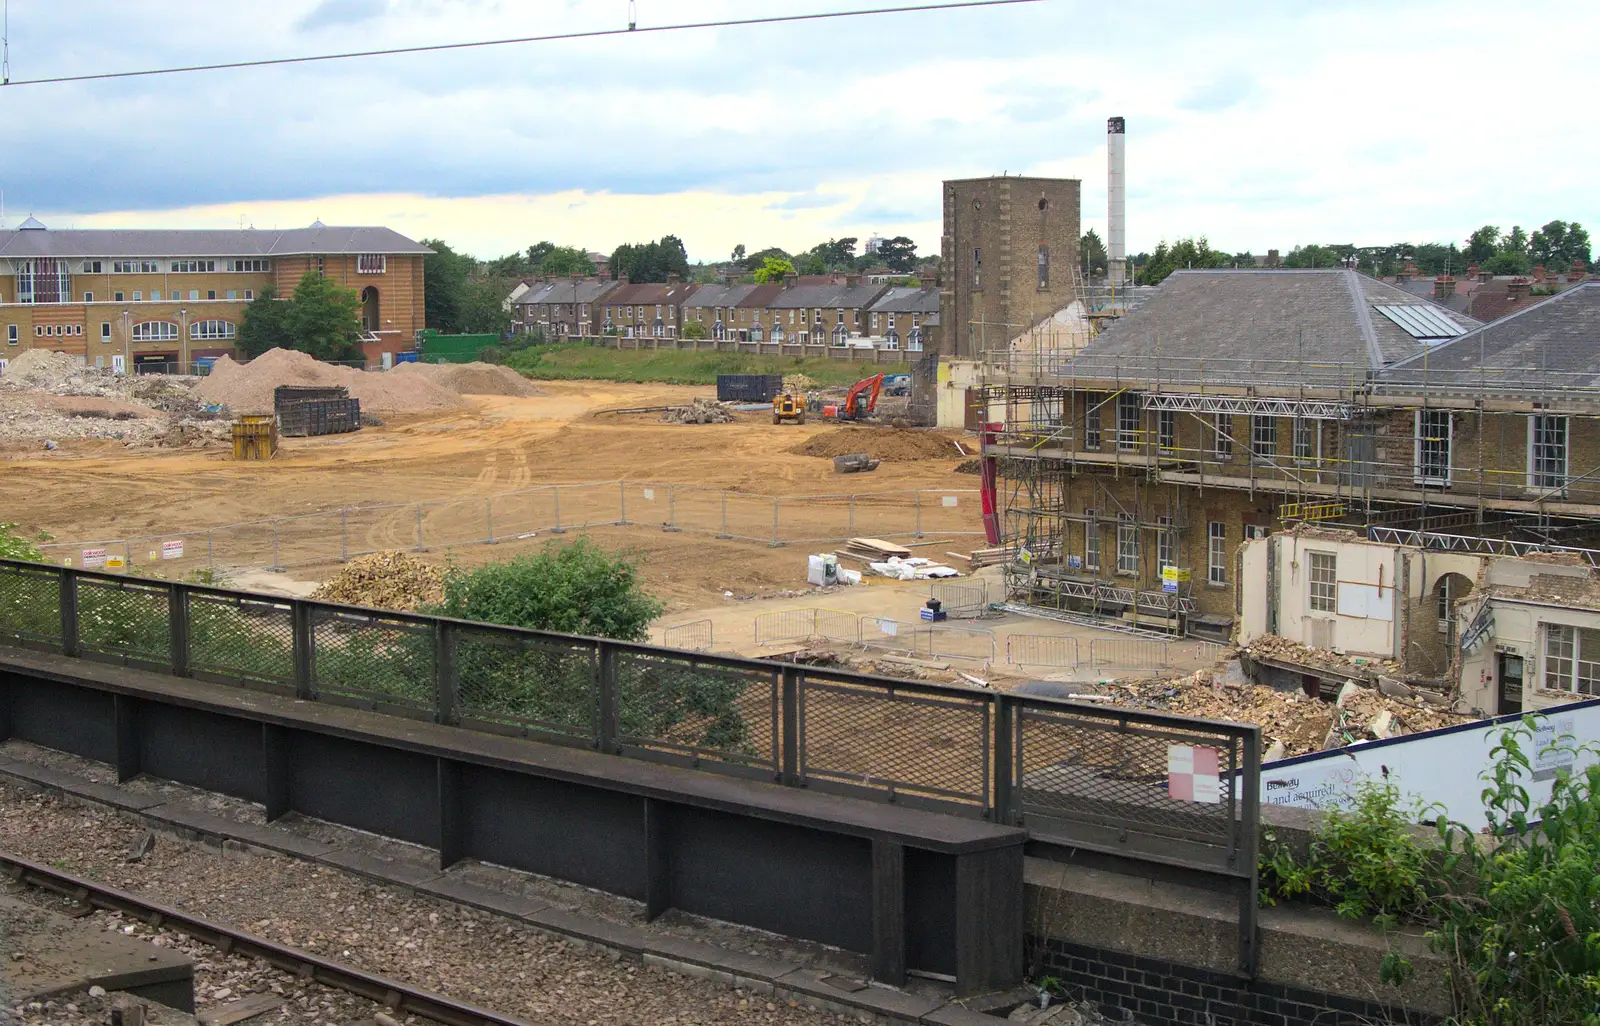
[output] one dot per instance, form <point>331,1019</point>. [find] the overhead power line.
<point>593,34</point>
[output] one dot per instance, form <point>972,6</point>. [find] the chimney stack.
<point>1116,197</point>
<point>1519,288</point>
<point>1444,286</point>
<point>1272,258</point>
<point>789,279</point>
<point>673,277</point>
<point>852,280</point>
<point>1472,271</point>
<point>1538,272</point>
<point>1577,272</point>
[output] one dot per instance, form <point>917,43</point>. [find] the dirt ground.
<point>88,490</point>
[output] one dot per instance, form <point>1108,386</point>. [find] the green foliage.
<point>898,254</point>
<point>1482,244</point>
<point>773,269</point>
<point>574,588</point>
<point>577,361</point>
<point>759,258</point>
<point>12,547</point>
<point>693,330</point>
<point>1507,262</point>
<point>650,261</point>
<point>1314,256</point>
<point>324,319</point>
<point>1093,252</point>
<point>738,254</point>
<point>264,325</point>
<point>444,277</point>
<point>1185,253</point>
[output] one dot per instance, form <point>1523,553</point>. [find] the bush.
<point>574,588</point>
<point>12,547</point>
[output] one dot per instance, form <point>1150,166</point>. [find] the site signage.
<point>172,549</point>
<point>94,559</point>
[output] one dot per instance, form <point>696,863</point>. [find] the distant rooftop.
<point>34,239</point>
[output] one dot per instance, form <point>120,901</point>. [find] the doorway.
<point>370,314</point>
<point>1508,675</point>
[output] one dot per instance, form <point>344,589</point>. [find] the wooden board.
<point>239,1011</point>
<point>878,545</point>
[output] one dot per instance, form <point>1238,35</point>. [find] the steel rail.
<point>392,994</point>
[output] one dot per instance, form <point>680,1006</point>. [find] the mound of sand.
<point>41,368</point>
<point>470,378</point>
<point>247,388</point>
<point>891,445</point>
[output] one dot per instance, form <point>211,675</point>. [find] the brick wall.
<point>1156,991</point>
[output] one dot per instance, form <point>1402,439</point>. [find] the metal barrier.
<point>1209,651</point>
<point>695,636</point>
<point>1081,778</point>
<point>961,598</point>
<point>1136,653</point>
<point>805,622</point>
<point>1041,650</point>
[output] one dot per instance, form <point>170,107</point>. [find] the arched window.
<point>370,315</point>
<point>211,329</point>
<point>155,331</point>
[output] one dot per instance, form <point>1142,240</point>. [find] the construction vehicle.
<point>788,407</point>
<point>859,402</point>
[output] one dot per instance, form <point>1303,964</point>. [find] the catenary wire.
<point>592,34</point>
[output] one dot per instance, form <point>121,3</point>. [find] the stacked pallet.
<point>875,549</point>
<point>979,558</point>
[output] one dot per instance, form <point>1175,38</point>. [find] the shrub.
<point>12,547</point>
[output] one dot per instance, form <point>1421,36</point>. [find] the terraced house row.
<point>818,310</point>
<point>126,298</point>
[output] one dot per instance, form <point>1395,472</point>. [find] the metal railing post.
<point>1004,769</point>
<point>850,525</point>
<point>304,652</point>
<point>69,612</point>
<point>622,503</point>
<point>178,622</point>
<point>917,533</point>
<point>344,536</point>
<point>789,710</point>
<point>607,658</point>
<point>276,564</point>
<point>555,496</point>
<point>724,532</point>
<point>446,680</point>
<point>211,552</point>
<point>420,546</point>
<point>1247,856</point>
<point>775,541</point>
<point>488,517</point>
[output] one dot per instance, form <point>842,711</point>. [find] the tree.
<point>444,277</point>
<point>651,261</point>
<point>265,324</point>
<point>1558,245</point>
<point>738,254</point>
<point>483,306</point>
<point>1313,256</point>
<point>1482,244</point>
<point>1093,252</point>
<point>758,258</point>
<point>773,270</point>
<point>324,319</point>
<point>1185,253</point>
<point>692,329</point>
<point>898,254</point>
<point>564,261</point>
<point>1506,262</point>
<point>573,588</point>
<point>1515,241</point>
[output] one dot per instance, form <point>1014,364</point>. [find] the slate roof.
<point>904,299</point>
<point>562,292</point>
<point>1551,345</point>
<point>717,295</point>
<point>173,242</point>
<point>1257,326</point>
<point>827,296</point>
<point>651,293</point>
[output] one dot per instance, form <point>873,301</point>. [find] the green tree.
<point>1093,252</point>
<point>264,325</point>
<point>571,588</point>
<point>773,269</point>
<point>1515,241</point>
<point>444,277</point>
<point>1507,262</point>
<point>759,258</point>
<point>1558,245</point>
<point>1185,253</point>
<point>738,254</point>
<point>564,261</point>
<point>324,318</point>
<point>483,306</point>
<point>1482,244</point>
<point>898,254</point>
<point>1313,256</point>
<point>692,330</point>
<point>651,261</point>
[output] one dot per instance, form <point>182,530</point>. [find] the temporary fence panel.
<point>884,515</point>
<point>1042,650</point>
<point>814,518</point>
<point>961,598</point>
<point>590,505</point>
<point>1209,651</point>
<point>455,522</point>
<point>1134,653</point>
<point>954,513</point>
<point>806,622</point>
<point>368,529</point>
<point>910,745</point>
<point>694,636</point>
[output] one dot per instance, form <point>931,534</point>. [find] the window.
<point>1091,427</point>
<point>176,296</point>
<point>211,293</point>
<point>838,316</point>
<point>874,318</point>
<point>1222,436</point>
<point>1091,541</point>
<point>1167,429</point>
<point>249,265</point>
<point>249,294</point>
<point>44,281</point>
<point>1547,452</point>
<point>117,297</point>
<point>1306,437</point>
<point>155,331</point>
<point>194,294</point>
<point>11,334</point>
<point>211,329</point>
<point>1044,267</point>
<point>1217,552</point>
<point>1571,659</point>
<point>138,297</point>
<point>91,267</point>
<point>891,320</point>
<point>1164,539</point>
<point>1323,579</point>
<point>371,263</point>
<point>135,267</point>
<point>38,331</point>
<point>193,266</point>
<point>88,297</point>
<point>977,268</point>
<point>105,331</point>
<point>1263,437</point>
<point>1431,449</point>
<point>1127,421</point>
<point>855,317</point>
<point>1127,544</point>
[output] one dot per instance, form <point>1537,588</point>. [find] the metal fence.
<point>1041,650</point>
<point>1130,652</point>
<point>695,636</point>
<point>1138,784</point>
<point>968,598</point>
<point>804,623</point>
<point>339,535</point>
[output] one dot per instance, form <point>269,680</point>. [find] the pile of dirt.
<point>798,384</point>
<point>42,369</point>
<point>470,378</point>
<point>247,388</point>
<point>701,411</point>
<point>891,445</point>
<point>385,580</point>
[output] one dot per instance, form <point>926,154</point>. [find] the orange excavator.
<point>859,403</point>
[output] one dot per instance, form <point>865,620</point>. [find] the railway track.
<point>392,994</point>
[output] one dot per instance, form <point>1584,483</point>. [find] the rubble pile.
<point>701,411</point>
<point>1271,646</point>
<point>47,396</point>
<point>798,384</point>
<point>385,580</point>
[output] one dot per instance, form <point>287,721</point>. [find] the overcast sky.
<point>1258,124</point>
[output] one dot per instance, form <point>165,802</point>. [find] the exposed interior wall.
<point>954,378</point>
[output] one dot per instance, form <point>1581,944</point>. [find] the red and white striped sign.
<point>1192,774</point>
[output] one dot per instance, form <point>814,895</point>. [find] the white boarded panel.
<point>1367,601</point>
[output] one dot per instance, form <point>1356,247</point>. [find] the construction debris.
<point>980,558</point>
<point>797,384</point>
<point>854,463</point>
<point>875,548</point>
<point>701,411</point>
<point>914,569</point>
<point>891,445</point>
<point>1279,649</point>
<point>385,580</point>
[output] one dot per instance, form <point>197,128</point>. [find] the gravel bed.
<point>465,954</point>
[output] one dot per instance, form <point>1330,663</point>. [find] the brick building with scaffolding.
<point>1231,403</point>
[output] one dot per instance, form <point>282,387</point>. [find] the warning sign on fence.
<point>94,559</point>
<point>1192,774</point>
<point>115,563</point>
<point>172,549</point>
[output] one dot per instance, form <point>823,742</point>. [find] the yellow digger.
<point>788,407</point>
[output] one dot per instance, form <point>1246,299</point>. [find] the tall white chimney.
<point>1116,196</point>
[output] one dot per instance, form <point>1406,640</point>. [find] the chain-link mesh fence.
<point>238,640</point>
<point>124,621</point>
<point>511,682</point>
<point>698,711</point>
<point>30,606</point>
<point>903,744</point>
<point>382,662</point>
